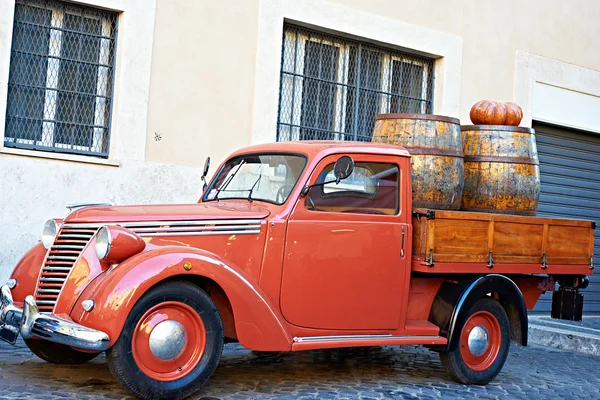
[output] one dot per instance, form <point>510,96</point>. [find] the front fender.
<point>258,323</point>
<point>27,272</point>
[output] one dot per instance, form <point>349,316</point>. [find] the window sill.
<point>60,156</point>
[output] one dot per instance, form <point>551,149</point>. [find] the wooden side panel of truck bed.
<point>458,241</point>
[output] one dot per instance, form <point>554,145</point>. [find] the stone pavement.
<point>532,373</point>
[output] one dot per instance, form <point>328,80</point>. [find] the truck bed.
<point>473,242</point>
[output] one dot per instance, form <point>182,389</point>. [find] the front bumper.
<point>31,324</point>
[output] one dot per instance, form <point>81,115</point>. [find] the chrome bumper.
<point>31,324</point>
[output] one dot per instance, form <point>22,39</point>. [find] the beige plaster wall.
<point>215,69</point>
<point>36,186</point>
<point>493,32</point>
<point>36,189</point>
<point>202,81</point>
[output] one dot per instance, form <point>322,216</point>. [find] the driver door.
<point>343,267</point>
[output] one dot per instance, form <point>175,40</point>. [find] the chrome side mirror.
<point>343,168</point>
<point>204,173</point>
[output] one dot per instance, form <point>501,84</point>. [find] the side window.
<point>362,181</point>
<point>373,188</point>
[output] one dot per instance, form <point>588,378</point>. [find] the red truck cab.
<point>292,246</point>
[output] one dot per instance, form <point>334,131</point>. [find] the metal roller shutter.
<point>570,177</point>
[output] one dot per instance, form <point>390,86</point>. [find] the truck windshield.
<point>266,177</point>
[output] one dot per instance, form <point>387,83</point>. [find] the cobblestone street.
<point>374,373</point>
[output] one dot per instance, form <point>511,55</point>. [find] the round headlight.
<point>49,233</point>
<point>103,242</point>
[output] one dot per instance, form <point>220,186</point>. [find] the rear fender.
<point>27,271</point>
<point>257,323</point>
<point>456,297</point>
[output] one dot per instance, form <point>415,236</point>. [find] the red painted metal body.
<point>27,272</point>
<point>288,274</point>
<point>490,324</point>
<point>180,365</point>
<point>421,265</point>
<point>258,323</point>
<point>124,244</point>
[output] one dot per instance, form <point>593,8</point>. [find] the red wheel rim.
<point>484,357</point>
<point>192,348</point>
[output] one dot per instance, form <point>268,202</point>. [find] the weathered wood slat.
<point>518,239</point>
<point>538,244</point>
<point>480,216</point>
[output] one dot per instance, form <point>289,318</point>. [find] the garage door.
<point>570,176</point>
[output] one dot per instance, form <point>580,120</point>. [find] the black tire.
<point>453,361</point>
<point>121,361</point>
<point>57,353</point>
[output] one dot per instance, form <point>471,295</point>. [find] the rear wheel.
<point>171,343</point>
<point>483,345</point>
<point>57,353</point>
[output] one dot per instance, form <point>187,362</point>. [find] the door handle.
<point>402,247</point>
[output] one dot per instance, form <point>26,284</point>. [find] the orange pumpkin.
<point>487,112</point>
<point>514,114</point>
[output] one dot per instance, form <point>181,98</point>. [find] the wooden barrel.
<point>434,143</point>
<point>502,173</point>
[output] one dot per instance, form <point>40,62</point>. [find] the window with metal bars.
<point>61,78</point>
<point>332,88</point>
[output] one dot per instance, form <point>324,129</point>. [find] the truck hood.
<point>170,212</point>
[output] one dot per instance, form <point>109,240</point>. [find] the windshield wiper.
<point>255,183</point>
<point>224,185</point>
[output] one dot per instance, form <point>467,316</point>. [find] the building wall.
<point>200,78</point>
<point>445,48</point>
<point>202,81</point>
<point>36,189</point>
<point>35,186</point>
<point>226,95</point>
<point>493,32</point>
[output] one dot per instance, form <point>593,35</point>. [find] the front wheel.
<point>171,343</point>
<point>483,345</point>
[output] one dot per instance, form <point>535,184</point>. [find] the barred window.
<point>61,78</point>
<point>332,88</point>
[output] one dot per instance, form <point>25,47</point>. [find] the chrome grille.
<point>65,250</point>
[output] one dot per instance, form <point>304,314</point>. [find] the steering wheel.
<point>282,193</point>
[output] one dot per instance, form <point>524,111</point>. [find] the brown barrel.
<point>434,143</point>
<point>502,172</point>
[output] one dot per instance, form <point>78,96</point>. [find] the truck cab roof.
<point>321,148</point>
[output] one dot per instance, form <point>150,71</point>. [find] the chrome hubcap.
<point>478,340</point>
<point>167,339</point>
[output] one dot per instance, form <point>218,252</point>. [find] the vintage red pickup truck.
<point>293,246</point>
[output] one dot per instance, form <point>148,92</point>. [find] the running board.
<point>331,342</point>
